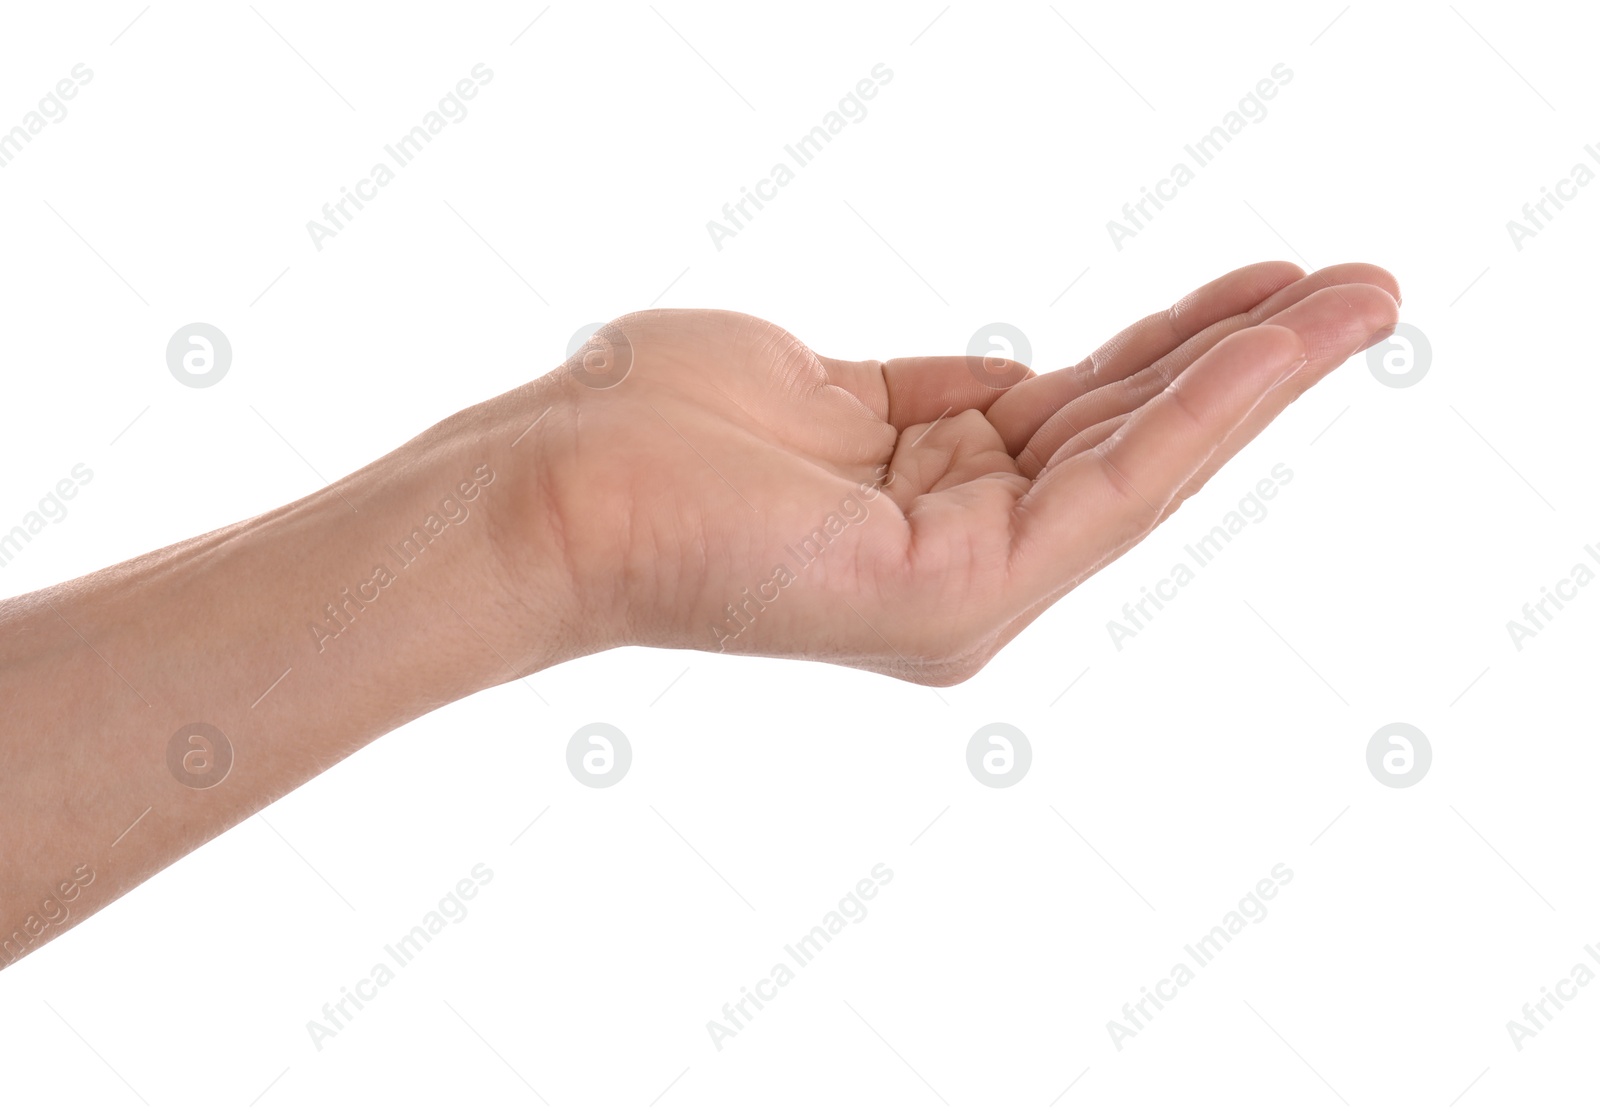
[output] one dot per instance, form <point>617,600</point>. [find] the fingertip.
<point>1274,274</point>
<point>1385,316</point>
<point>1283,351</point>
<point>1367,274</point>
<point>1288,345</point>
<point>1272,346</point>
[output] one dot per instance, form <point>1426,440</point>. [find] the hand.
<point>717,485</point>
<point>694,479</point>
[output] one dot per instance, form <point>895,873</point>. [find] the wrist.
<point>558,531</point>
<point>456,525</point>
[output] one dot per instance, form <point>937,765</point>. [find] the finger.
<point>921,389</point>
<point>1322,359</point>
<point>1094,505</point>
<point>1088,438</point>
<point>1169,366</point>
<point>1334,323</point>
<point>945,454</point>
<point>1377,318</point>
<point>917,390</point>
<point>1018,414</point>
<point>1125,393</point>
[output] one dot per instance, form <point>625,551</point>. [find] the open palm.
<point>718,485</point>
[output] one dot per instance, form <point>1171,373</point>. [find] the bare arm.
<point>152,705</point>
<point>692,479</point>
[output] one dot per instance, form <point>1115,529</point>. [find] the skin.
<point>630,497</point>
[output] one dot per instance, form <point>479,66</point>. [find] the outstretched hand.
<point>692,479</point>
<point>716,484</point>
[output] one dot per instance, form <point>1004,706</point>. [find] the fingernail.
<point>1379,336</point>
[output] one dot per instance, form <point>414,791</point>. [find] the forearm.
<point>299,636</point>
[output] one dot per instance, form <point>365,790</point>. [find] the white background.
<point>1175,773</point>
